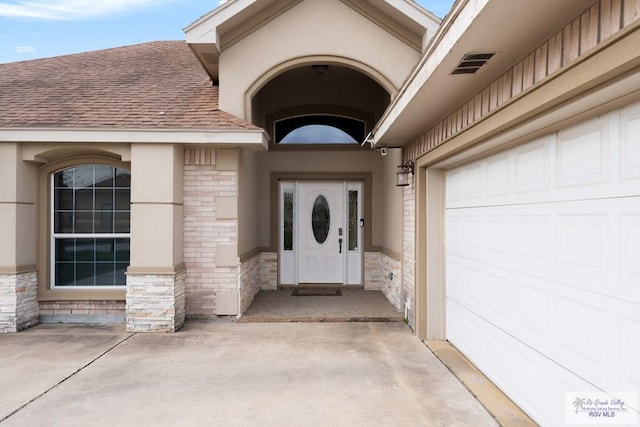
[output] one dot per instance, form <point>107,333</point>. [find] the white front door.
<point>322,233</point>
<point>321,227</point>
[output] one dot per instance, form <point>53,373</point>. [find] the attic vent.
<point>472,62</point>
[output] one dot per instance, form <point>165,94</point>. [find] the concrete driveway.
<point>230,374</point>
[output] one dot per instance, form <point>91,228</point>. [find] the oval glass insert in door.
<point>320,219</point>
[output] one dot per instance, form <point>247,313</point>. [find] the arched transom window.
<point>319,129</point>
<point>90,223</point>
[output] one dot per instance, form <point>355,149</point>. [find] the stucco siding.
<point>318,163</point>
<point>247,202</point>
<point>313,27</point>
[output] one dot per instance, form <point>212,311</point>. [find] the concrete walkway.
<point>230,374</point>
<point>352,305</point>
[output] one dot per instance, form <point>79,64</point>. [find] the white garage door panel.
<point>629,353</point>
<point>569,325</point>
<point>542,378</point>
<point>583,155</point>
<point>630,143</point>
<point>592,245</point>
<point>511,361</point>
<point>543,263</point>
<point>630,249</point>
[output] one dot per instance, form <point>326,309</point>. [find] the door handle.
<point>340,244</point>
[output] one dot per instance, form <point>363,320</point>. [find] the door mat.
<point>316,292</point>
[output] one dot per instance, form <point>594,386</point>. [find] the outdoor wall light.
<point>402,176</point>
<point>320,69</point>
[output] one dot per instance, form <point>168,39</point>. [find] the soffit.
<point>510,28</point>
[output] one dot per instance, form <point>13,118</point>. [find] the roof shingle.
<point>145,86</point>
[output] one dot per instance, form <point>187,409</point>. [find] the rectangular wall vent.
<point>472,62</point>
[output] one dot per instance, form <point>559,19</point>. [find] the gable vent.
<point>471,62</point>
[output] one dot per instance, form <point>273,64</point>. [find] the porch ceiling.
<point>336,90</point>
<point>510,28</point>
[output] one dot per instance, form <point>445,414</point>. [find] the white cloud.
<point>25,49</point>
<point>68,10</point>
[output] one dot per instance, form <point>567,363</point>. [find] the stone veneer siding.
<point>268,271</point>
<point>372,271</point>
<point>376,271</point>
<point>155,303</point>
<point>89,312</point>
<point>249,281</point>
<point>18,301</point>
<point>204,231</point>
<point>391,284</point>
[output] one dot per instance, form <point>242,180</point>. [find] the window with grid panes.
<point>90,225</point>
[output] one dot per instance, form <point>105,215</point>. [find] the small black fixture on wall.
<point>319,69</point>
<point>402,176</point>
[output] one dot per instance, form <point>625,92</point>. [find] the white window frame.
<point>355,258</point>
<point>287,258</point>
<point>55,236</point>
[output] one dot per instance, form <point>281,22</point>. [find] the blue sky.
<point>32,29</point>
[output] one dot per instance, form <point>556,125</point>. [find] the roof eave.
<point>431,91</point>
<point>252,139</point>
<point>446,37</point>
<point>203,35</point>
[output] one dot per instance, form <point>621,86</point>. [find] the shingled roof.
<point>146,86</point>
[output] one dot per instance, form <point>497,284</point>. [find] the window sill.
<point>59,294</point>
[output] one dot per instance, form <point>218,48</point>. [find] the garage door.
<point>543,264</point>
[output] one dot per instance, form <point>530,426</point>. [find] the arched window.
<point>319,129</point>
<point>90,223</point>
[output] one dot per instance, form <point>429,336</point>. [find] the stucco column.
<point>18,276</point>
<point>156,275</point>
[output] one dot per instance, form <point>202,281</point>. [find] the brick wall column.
<point>409,253</point>
<point>211,233</point>
<point>18,276</point>
<point>156,275</point>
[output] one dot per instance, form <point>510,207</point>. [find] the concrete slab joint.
<point>19,308</point>
<point>155,302</point>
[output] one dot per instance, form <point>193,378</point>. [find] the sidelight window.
<point>287,210</point>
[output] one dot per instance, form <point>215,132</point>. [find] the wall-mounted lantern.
<point>402,176</point>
